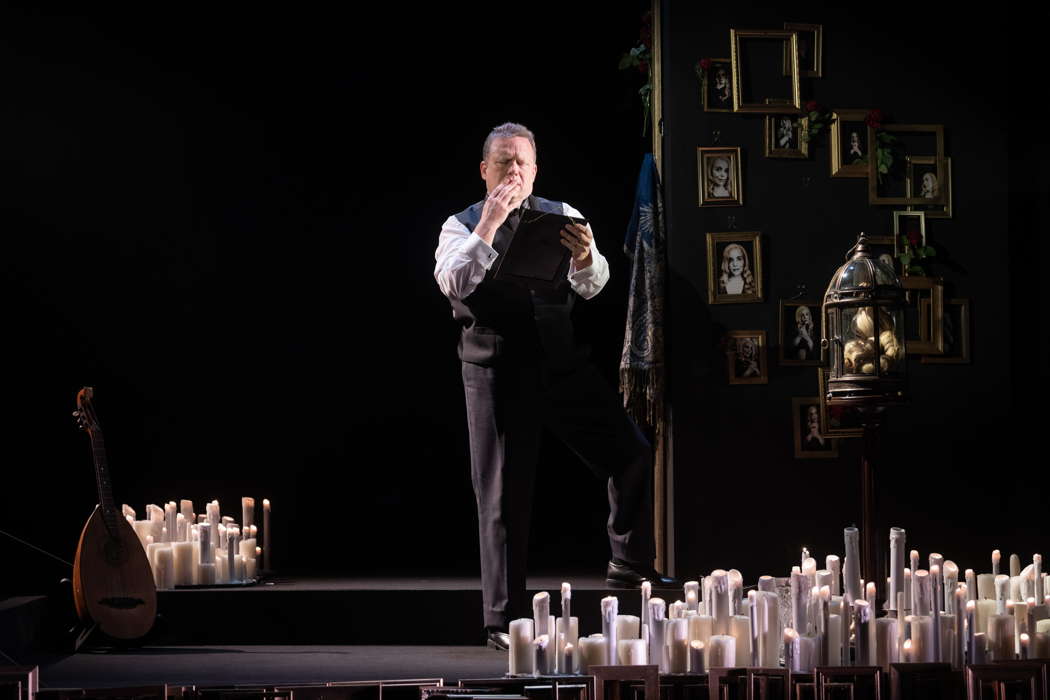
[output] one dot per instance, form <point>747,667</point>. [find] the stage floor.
<point>267,665</point>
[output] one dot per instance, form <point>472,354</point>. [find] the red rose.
<point>705,64</point>
<point>874,118</point>
<point>913,238</point>
<point>812,106</point>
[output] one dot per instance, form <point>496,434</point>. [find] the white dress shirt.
<point>463,259</point>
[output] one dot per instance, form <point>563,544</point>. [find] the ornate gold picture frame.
<point>746,357</point>
<point>921,176</point>
<point>810,49</point>
<point>930,322</point>
<point>734,267</point>
<point>874,197</point>
<point>810,443</point>
<point>718,176</point>
<point>742,43</point>
<point>717,86</point>
<point>850,145</point>
<point>786,136</point>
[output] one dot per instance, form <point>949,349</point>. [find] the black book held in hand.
<point>535,256</point>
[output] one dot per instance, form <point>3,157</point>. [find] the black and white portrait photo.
<point>785,136</point>
<point>746,357</point>
<point>809,440</point>
<point>733,267</point>
<point>718,86</point>
<point>718,171</point>
<point>799,332</point>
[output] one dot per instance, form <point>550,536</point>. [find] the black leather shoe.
<point>497,640</point>
<point>623,574</point>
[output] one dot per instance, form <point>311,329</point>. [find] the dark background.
<point>225,220</point>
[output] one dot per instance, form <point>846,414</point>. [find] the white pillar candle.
<point>571,637</point>
<point>1037,573</point>
<point>907,654</point>
<point>222,568</point>
<point>936,590</point>
<point>632,652</point>
<point>541,610</point>
<point>1002,584</point>
<point>898,539</point>
<point>986,586</point>
<point>971,630</point>
<point>832,564</point>
<point>214,520</point>
<point>566,600</point>
<point>164,571</point>
<point>946,638</point>
<point>628,627</point>
<point>151,554</point>
<point>959,629</point>
<point>1041,646</point>
<point>1015,565</point>
<point>1014,591</point>
<point>195,565</point>
<point>922,639</point>
<point>182,563</point>
<point>1001,642</point>
<point>696,656</point>
<point>233,535</point>
<point>980,648</point>
<point>720,610</point>
<point>700,628</point>
<point>610,606</point>
<point>170,521</point>
<point>521,659</point>
<point>921,603</point>
<point>541,651</point>
<point>567,659</point>
<point>851,573</point>
<point>770,634</point>
<point>721,651</point>
<point>647,592</point>
<point>996,556</point>
<point>808,653</point>
<point>592,652</point>
<point>913,561</point>
<point>127,510</point>
<point>971,585</point>
<point>242,573</point>
<point>142,528</point>
<point>266,535</point>
<point>834,640</point>
<point>656,633</point>
<point>1025,646</point>
<point>694,588</point>
<point>862,631</point>
<point>825,620</point>
<point>692,601</point>
<point>676,610</point>
<point>824,578</point>
<point>791,650</point>
<point>247,512</point>
<point>909,588</point>
<point>206,573</point>
<point>800,593</point>
<point>740,629</point>
<point>251,568</point>
<point>736,590</point>
<point>809,570</point>
<point>186,508</point>
<point>869,594</point>
<point>985,610</point>
<point>885,642</point>
<point>676,639</point>
<point>246,548</point>
<point>754,628</point>
<point>950,577</point>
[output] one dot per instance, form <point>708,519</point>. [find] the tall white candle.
<point>885,642</point>
<point>632,652</point>
<point>921,602</point>
<point>851,575</point>
<point>971,629</point>
<point>1015,565</point>
<point>996,556</point>
<point>909,587</point>
<point>214,520</point>
<point>720,610</point>
<point>807,653</point>
<point>834,640</point>
<point>721,651</point>
<point>696,656</point>
<point>832,564</point>
<point>862,631</point>
<point>566,600</point>
<point>809,570</point>
<point>266,535</point>
<point>1001,644</point>
<point>656,633</point>
<point>676,639</point>
<point>647,593</point>
<point>791,650</point>
<point>950,575</point>
<point>922,639</point>
<point>898,539</point>
<point>170,521</point>
<point>736,590</point>
<point>800,593</point>
<point>571,637</point>
<point>183,563</point>
<point>233,538</point>
<point>936,589</point>
<point>610,606</point>
<point>164,569</point>
<point>754,628</point>
<point>971,585</point>
<point>520,658</point>
<point>739,628</point>
<point>186,508</point>
<point>1002,583</point>
<point>959,611</point>
<point>913,560</point>
<point>694,588</point>
<point>247,512</point>
<point>1037,572</point>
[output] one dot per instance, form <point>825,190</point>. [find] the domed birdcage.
<point>864,332</point>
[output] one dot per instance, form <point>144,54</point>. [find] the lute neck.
<point>105,490</point>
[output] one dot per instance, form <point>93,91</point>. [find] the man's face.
<point>510,160</point>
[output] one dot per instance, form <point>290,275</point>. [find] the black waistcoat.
<point>507,322</point>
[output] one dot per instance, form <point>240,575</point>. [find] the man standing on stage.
<point>522,372</point>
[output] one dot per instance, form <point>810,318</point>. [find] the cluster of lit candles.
<point>185,548</point>
<point>815,617</point>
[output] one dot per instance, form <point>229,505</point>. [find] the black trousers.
<point>507,407</point>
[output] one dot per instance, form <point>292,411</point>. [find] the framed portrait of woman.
<point>786,136</point>
<point>734,267</point>
<point>800,332</point>
<point>718,86</point>
<point>746,357</point>
<point>718,175</point>
<point>810,441</point>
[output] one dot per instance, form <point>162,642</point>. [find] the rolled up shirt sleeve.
<point>462,260</point>
<point>591,279</point>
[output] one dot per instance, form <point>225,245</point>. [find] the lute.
<point>112,579</point>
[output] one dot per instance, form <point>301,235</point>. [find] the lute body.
<point>112,579</point>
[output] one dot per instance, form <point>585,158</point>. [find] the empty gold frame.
<point>874,198</point>
<point>739,40</point>
<point>810,48</point>
<point>931,328</point>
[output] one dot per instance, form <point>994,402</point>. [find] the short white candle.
<point>721,651</point>
<point>568,657</point>
<point>694,588</point>
<point>834,640</point>
<point>164,570</point>
<point>791,650</point>
<point>206,573</point>
<point>592,652</point>
<point>676,639</point>
<point>521,658</point>
<point>656,633</point>
<point>922,639</point>
<point>571,637</point>
<point>628,627</point>
<point>696,656</point>
<point>186,508</point>
<point>908,655</point>
<point>541,649</point>
<point>1001,644</point>
<point>980,648</point>
<point>183,563</point>
<point>740,629</point>
<point>1015,565</point>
